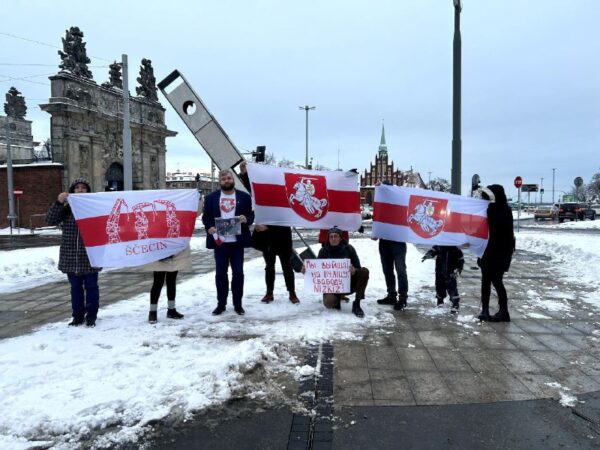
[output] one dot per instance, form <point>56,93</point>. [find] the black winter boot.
<point>389,299</point>
<point>174,314</point>
<point>440,301</point>
<point>357,310</point>
<point>500,316</point>
<point>152,317</point>
<point>219,310</point>
<point>401,303</point>
<point>484,316</point>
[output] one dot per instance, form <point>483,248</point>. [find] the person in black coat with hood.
<point>498,253</point>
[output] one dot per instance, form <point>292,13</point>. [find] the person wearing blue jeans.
<point>85,296</point>
<point>225,255</point>
<point>393,256</point>
<point>73,259</point>
<point>228,203</point>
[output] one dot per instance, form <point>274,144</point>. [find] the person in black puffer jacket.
<point>73,259</point>
<point>498,254</point>
<point>338,248</point>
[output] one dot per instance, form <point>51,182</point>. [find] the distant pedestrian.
<point>166,270</point>
<point>449,263</point>
<point>73,259</point>
<point>498,254</point>
<point>228,203</point>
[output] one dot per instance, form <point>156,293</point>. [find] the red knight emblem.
<point>426,215</point>
<point>307,195</point>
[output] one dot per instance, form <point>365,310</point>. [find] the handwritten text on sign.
<point>323,276</point>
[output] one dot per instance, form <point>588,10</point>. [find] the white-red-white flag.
<point>422,216</point>
<point>131,228</point>
<point>305,198</point>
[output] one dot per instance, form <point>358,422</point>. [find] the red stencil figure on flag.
<point>307,195</point>
<point>426,215</point>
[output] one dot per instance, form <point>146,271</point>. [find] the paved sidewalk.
<point>440,359</point>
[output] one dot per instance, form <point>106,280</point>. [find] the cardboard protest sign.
<point>324,276</point>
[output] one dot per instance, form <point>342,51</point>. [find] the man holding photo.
<point>228,203</point>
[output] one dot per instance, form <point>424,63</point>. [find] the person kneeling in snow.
<point>338,248</point>
<point>449,262</point>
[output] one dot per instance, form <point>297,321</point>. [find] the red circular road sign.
<point>518,182</point>
<point>17,190</point>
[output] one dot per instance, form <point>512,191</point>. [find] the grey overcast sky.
<point>531,77</point>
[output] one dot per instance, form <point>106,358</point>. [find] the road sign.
<point>529,187</point>
<point>541,190</point>
<point>17,190</point>
<point>518,182</point>
<point>578,181</point>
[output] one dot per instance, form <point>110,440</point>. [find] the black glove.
<point>427,255</point>
<point>361,229</point>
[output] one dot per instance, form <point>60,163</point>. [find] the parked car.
<point>587,212</point>
<point>572,211</point>
<point>568,211</point>
<point>545,212</point>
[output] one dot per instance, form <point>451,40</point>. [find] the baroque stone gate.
<point>86,125</point>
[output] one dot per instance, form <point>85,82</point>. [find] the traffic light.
<point>259,154</point>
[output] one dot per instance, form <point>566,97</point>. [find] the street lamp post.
<point>306,108</point>
<point>542,190</point>
<point>9,176</point>
<point>553,172</point>
<point>456,97</point>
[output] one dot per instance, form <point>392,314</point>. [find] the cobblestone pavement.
<point>431,357</point>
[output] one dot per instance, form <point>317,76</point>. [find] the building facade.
<point>383,170</point>
<point>86,131</point>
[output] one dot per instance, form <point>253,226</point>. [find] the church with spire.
<point>383,170</point>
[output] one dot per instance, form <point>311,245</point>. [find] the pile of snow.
<point>65,384</point>
<point>579,225</point>
<point>524,215</point>
<point>22,231</point>
<point>575,256</point>
<point>29,267</point>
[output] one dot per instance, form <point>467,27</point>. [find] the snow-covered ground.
<point>524,215</point>
<point>61,385</point>
<point>17,231</point>
<point>579,225</point>
<point>28,267</point>
<point>575,256</point>
<point>64,384</point>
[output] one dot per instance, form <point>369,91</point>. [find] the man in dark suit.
<point>229,250</point>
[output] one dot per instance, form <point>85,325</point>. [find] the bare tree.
<point>440,184</point>
<point>288,163</point>
<point>270,159</point>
